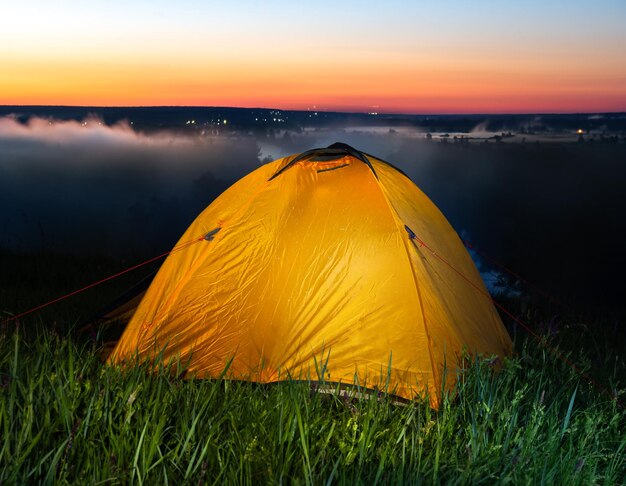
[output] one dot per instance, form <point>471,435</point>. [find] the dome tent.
<point>313,259</point>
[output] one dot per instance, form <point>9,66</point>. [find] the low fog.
<point>88,188</point>
<point>554,212</point>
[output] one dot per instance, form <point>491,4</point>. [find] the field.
<point>67,418</point>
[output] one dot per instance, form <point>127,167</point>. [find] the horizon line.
<point>371,113</point>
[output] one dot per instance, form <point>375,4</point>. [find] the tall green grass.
<point>67,418</point>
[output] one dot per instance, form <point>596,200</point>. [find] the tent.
<point>314,267</point>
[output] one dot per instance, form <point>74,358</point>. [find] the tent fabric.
<point>313,270</point>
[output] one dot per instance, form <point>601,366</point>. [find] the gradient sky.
<point>386,56</point>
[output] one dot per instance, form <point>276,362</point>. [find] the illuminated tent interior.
<point>318,266</point>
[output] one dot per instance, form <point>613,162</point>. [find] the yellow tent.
<point>313,264</point>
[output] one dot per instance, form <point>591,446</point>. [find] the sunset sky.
<point>385,56</point>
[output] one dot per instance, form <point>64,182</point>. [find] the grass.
<point>67,418</point>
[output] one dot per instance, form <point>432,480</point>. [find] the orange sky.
<point>413,59</point>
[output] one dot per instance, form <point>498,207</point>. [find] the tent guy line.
<point>541,341</point>
<point>470,246</point>
<point>106,279</point>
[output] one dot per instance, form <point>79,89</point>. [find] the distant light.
<point>579,131</point>
<point>225,122</point>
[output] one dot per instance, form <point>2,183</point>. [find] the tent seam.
<point>396,217</point>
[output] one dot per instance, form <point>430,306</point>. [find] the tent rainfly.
<point>312,267</point>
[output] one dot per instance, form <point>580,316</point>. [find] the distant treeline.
<point>163,117</point>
